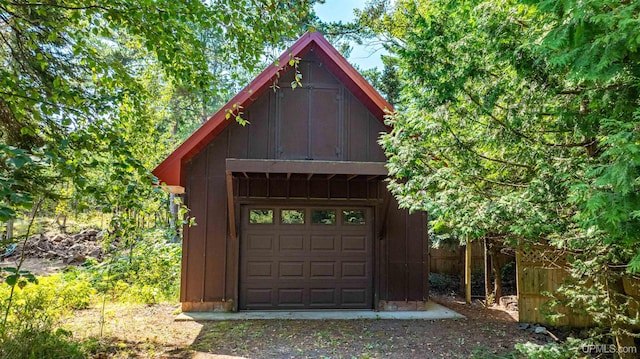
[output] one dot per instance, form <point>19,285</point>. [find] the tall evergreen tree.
<point>519,120</point>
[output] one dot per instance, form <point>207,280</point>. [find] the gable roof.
<point>169,172</point>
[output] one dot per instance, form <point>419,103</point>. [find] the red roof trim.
<point>169,171</point>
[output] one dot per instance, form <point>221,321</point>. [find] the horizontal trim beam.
<point>308,167</point>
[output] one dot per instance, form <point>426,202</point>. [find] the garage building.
<point>292,209</point>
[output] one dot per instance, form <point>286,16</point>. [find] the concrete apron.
<point>432,311</point>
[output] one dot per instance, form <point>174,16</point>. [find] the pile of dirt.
<point>70,248</point>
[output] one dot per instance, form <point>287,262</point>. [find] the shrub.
<point>147,272</point>
<point>34,312</point>
<point>443,283</point>
<point>40,343</point>
<point>47,301</point>
<point>568,350</point>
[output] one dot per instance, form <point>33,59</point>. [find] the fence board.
<point>445,260</point>
<point>540,270</point>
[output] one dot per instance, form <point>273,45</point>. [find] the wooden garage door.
<point>306,258</point>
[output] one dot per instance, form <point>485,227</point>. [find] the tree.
<point>519,120</point>
<point>389,81</point>
<point>90,92</point>
<point>78,74</point>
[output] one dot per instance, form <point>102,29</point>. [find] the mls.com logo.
<point>607,349</point>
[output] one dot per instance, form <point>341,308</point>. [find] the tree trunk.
<point>462,268</point>
<point>620,330</point>
<point>467,273</point>
<point>173,216</point>
<point>496,269</point>
<point>9,229</point>
<point>204,109</point>
<point>174,130</point>
<point>63,226</point>
<point>487,274</point>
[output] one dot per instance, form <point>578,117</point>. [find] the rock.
<point>523,326</point>
<point>69,248</point>
<point>509,302</point>
<point>76,258</point>
<point>89,232</point>
<point>76,248</point>
<point>95,253</point>
<point>35,237</point>
<point>540,330</point>
<point>100,235</point>
<point>43,245</point>
<point>79,258</point>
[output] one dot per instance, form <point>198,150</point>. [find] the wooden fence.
<point>543,269</point>
<point>450,260</point>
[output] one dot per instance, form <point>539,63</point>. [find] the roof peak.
<point>170,170</point>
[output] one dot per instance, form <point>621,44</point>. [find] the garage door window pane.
<point>323,216</point>
<point>356,216</point>
<point>292,216</point>
<point>261,216</point>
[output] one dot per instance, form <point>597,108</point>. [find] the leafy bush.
<point>33,314</point>
<point>47,301</point>
<point>443,283</point>
<point>40,343</point>
<point>567,350</point>
<point>147,272</point>
<point>571,349</point>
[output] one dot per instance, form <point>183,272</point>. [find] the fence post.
<point>467,271</point>
<point>487,274</point>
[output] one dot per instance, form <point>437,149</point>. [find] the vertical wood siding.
<point>321,121</point>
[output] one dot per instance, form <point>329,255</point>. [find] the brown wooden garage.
<point>292,210</point>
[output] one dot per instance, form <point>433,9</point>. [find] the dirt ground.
<point>151,332</point>
<point>37,266</point>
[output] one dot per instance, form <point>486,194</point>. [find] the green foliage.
<point>18,277</point>
<point>148,272</point>
<point>569,350</point>
<point>264,216</point>
<point>292,216</point>
<point>443,283</point>
<point>34,313</point>
<point>16,191</point>
<point>49,300</point>
<point>520,119</point>
<point>94,95</point>
<point>41,343</point>
<point>326,216</point>
<point>390,82</point>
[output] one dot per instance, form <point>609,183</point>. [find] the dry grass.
<point>138,331</point>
